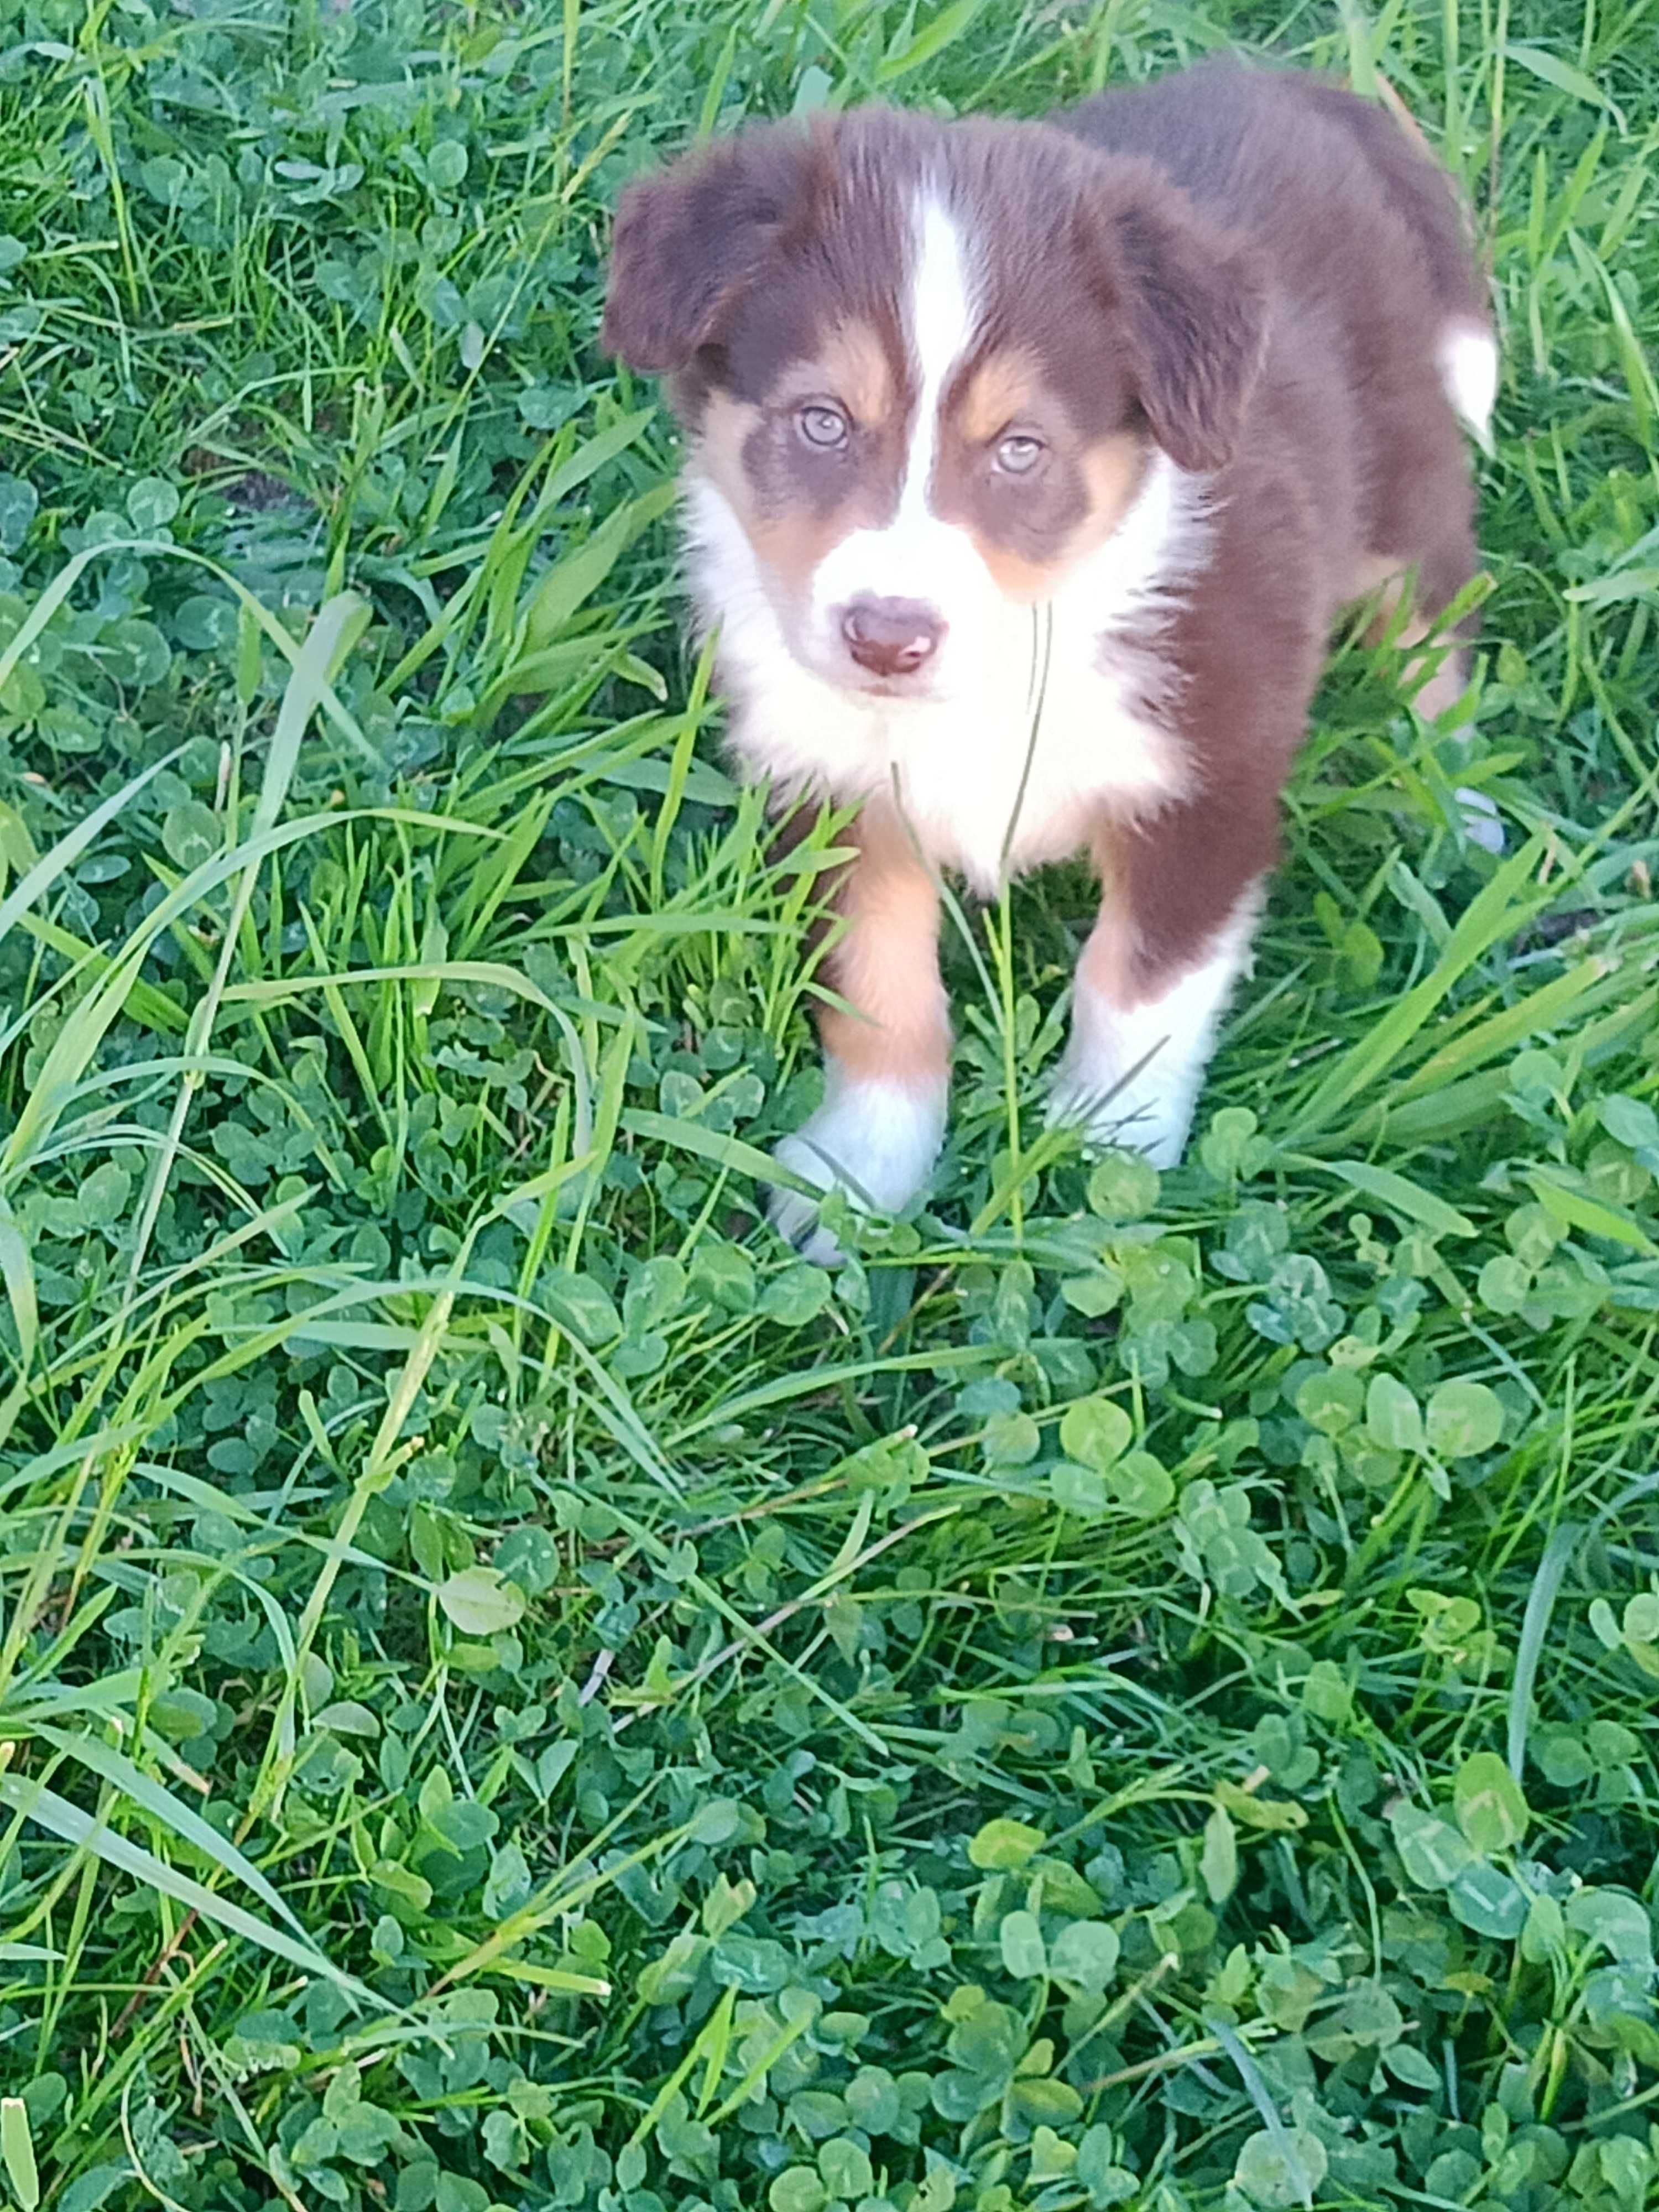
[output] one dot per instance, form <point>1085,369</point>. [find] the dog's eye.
<point>1017,455</point>
<point>826,428</point>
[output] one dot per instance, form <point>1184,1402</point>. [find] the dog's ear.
<point>691,241</point>
<point>1196,303</point>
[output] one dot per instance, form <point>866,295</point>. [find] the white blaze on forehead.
<point>914,555</point>
<point>941,328</point>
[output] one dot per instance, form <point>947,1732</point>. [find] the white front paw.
<point>795,1215</point>
<point>1131,1075</point>
<point>1137,1111</point>
<point>877,1141</point>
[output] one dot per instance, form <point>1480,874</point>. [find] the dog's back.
<point>1304,169</point>
<point>1290,156</point>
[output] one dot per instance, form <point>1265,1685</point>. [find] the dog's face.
<point>925,366</point>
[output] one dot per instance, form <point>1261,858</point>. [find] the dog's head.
<point>924,366</point>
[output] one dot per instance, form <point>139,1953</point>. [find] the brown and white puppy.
<point>1030,463</point>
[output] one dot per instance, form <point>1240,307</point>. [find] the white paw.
<point>1131,1075</point>
<point>795,1217</point>
<point>1147,1112</point>
<point>876,1141</point>
<point>1482,823</point>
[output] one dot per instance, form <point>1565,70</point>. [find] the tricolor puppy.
<point>1028,466</point>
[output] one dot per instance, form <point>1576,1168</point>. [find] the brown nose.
<point>891,637</point>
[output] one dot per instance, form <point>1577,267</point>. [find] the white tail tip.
<point>1467,360</point>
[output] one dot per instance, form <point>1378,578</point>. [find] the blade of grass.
<point>86,1832</point>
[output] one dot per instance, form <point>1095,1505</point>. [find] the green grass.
<point>513,1689</point>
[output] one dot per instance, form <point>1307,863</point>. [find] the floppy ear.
<point>1197,310</point>
<point>688,241</point>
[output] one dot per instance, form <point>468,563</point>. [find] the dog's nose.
<point>891,637</point>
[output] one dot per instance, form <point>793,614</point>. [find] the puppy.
<point>1029,465</point>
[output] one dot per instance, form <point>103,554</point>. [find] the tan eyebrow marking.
<point>999,391</point>
<point>852,365</point>
<point>857,360</point>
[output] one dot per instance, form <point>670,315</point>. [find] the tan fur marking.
<point>1026,582</point>
<point>790,545</point>
<point>886,964</point>
<point>726,423</point>
<point>1385,578</point>
<point>1003,388</point>
<point>1113,963</point>
<point>1376,570</point>
<point>1430,689</point>
<point>851,365</point>
<point>1441,689</point>
<point>855,362</point>
<point>1114,467</point>
<point>1381,577</point>
<point>1113,470</point>
<point>1106,965</point>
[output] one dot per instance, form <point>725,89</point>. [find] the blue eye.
<point>1019,454</point>
<point>826,428</point>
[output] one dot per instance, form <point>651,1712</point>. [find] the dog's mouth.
<point>890,686</point>
<point>915,688</point>
<point>835,669</point>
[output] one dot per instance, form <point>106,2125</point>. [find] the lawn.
<point>515,1689</point>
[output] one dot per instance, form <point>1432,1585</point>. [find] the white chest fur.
<point>1040,719</point>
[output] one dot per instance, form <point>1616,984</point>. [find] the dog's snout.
<point>891,637</point>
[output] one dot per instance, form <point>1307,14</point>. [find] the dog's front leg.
<point>886,1044</point>
<point>1181,896</point>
